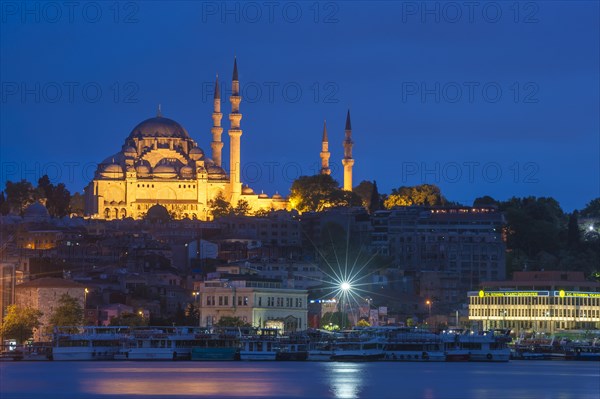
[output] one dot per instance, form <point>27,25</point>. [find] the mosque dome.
<point>113,170</point>
<point>216,172</point>
<point>277,196</point>
<point>142,170</point>
<point>247,191</point>
<point>196,153</point>
<point>263,195</point>
<point>159,127</point>
<point>186,171</point>
<point>130,152</point>
<point>158,213</point>
<point>165,172</point>
<point>36,212</point>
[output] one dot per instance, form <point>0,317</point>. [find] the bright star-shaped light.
<point>345,286</point>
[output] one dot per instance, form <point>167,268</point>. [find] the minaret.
<point>217,145</point>
<point>348,161</point>
<point>234,137</point>
<point>325,152</point>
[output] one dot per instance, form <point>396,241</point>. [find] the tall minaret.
<point>348,161</point>
<point>234,136</point>
<point>325,152</point>
<point>217,145</point>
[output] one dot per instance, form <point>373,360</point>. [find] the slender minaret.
<point>234,137</point>
<point>217,145</point>
<point>325,152</point>
<point>348,161</point>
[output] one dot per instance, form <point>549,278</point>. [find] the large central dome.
<point>159,127</point>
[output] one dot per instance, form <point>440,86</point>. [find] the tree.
<point>363,323</point>
<point>242,208</point>
<point>335,319</point>
<point>231,321</point>
<point>319,192</point>
<point>219,206</point>
<point>192,314</point>
<point>128,319</point>
<point>69,313</point>
<point>59,200</point>
<point>77,204</point>
<point>486,200</point>
<point>4,208</point>
<point>262,212</point>
<point>20,195</point>
<point>368,193</point>
<point>592,209</point>
<point>424,194</point>
<point>573,233</point>
<point>19,323</point>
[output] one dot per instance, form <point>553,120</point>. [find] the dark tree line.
<point>17,196</point>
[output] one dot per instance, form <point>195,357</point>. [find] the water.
<point>513,380</point>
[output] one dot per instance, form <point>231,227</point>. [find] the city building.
<point>541,301</point>
<point>258,301</point>
<point>43,294</point>
<point>461,241</point>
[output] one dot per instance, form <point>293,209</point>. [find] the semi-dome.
<point>165,172</point>
<point>159,127</point>
<point>113,171</point>
<point>142,170</point>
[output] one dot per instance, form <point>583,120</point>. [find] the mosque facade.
<point>160,163</point>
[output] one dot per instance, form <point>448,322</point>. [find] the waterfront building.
<point>258,301</point>
<point>541,301</point>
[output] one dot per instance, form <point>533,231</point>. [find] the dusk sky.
<point>498,99</point>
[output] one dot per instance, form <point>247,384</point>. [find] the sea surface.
<point>512,380</point>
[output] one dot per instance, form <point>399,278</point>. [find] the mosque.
<point>160,163</point>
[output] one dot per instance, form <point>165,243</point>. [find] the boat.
<point>488,346</point>
<point>223,344</point>
<point>358,346</point>
<point>161,343</point>
<point>406,344</point>
<point>87,343</point>
<point>584,351</point>
<point>293,347</point>
<point>263,345</point>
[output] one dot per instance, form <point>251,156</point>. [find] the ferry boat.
<point>583,352</point>
<point>223,344</point>
<point>87,343</point>
<point>406,344</point>
<point>359,350</point>
<point>263,346</point>
<point>293,347</point>
<point>161,343</point>
<point>489,346</point>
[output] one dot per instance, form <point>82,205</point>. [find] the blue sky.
<point>492,99</point>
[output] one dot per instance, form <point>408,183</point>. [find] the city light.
<point>345,286</point>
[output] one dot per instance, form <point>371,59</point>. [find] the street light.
<point>197,303</point>
<point>85,292</point>
<point>428,303</point>
<point>345,287</point>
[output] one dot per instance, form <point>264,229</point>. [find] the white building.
<point>257,301</point>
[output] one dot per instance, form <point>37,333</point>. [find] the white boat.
<point>320,351</point>
<point>87,343</point>
<point>489,346</point>
<point>263,346</point>
<point>160,343</point>
<point>358,350</point>
<point>406,344</point>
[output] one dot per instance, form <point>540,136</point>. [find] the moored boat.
<point>87,343</point>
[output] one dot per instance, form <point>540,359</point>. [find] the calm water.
<point>513,380</point>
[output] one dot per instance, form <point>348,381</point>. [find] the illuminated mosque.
<point>160,163</point>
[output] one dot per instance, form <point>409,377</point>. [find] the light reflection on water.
<point>346,379</point>
<point>110,380</point>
